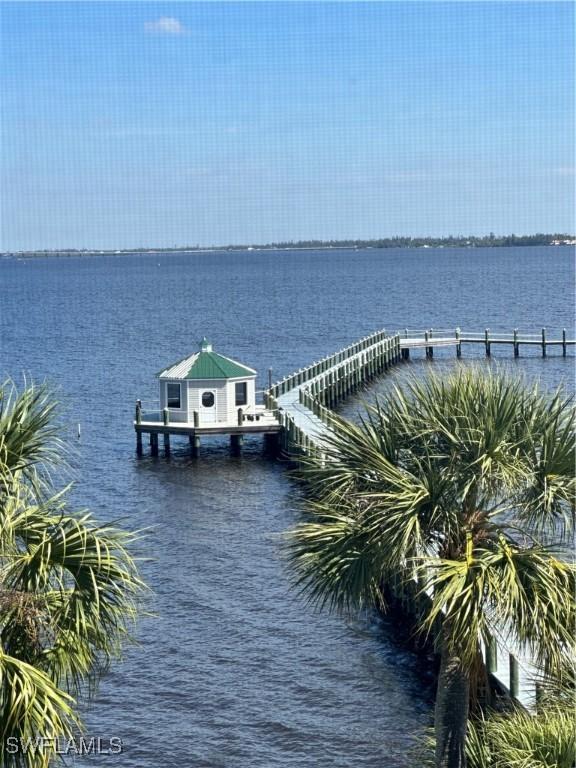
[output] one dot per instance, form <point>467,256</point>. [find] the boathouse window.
<point>241,393</point>
<point>173,395</point>
<point>208,399</point>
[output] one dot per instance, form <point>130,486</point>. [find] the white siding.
<point>251,397</point>
<point>195,389</point>
<point>224,392</point>
<point>180,414</point>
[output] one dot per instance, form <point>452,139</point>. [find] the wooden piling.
<point>491,656</point>
<point>458,343</point>
<point>563,342</point>
<point>166,443</point>
<point>154,443</point>
<point>429,349</point>
<point>138,412</point>
<point>271,444</point>
<point>514,676</point>
<point>240,416</point>
<point>487,341</point>
<point>516,344</point>
<point>543,342</point>
<point>196,418</point>
<point>195,446</point>
<point>236,442</point>
<point>139,450</point>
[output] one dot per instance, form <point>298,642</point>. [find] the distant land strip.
<point>486,241</point>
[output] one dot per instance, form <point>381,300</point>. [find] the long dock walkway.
<point>428,339</point>
<point>304,401</point>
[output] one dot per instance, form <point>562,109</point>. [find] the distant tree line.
<point>452,241</point>
<point>458,241</point>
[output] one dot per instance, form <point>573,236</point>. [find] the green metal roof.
<point>206,364</point>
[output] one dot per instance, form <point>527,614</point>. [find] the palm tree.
<point>517,738</point>
<point>464,487</point>
<point>69,588</point>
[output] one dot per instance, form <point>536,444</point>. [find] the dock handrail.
<point>323,384</point>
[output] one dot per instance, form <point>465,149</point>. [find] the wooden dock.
<point>298,413</point>
<point>261,421</point>
<point>304,401</point>
<point>429,339</point>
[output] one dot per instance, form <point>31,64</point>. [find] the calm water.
<point>236,670</point>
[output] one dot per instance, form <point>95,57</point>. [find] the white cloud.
<point>165,25</point>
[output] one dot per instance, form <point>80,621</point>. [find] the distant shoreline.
<point>509,241</point>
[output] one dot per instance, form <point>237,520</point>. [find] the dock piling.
<point>543,342</point>
<point>514,676</point>
<point>491,656</point>
<point>563,342</point>
<point>487,341</point>
<point>515,342</point>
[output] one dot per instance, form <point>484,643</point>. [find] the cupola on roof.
<point>206,364</point>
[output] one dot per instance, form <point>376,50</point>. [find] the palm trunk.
<point>451,713</point>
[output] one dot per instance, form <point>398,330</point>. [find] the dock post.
<point>154,443</point>
<point>240,417</point>
<point>236,444</point>
<point>271,443</point>
<point>539,695</point>
<point>195,445</point>
<point>138,433</point>
<point>491,656</point>
<point>487,341</point>
<point>269,378</point>
<point>196,418</point>
<point>516,345</point>
<point>563,342</point>
<point>428,347</point>
<point>514,676</point>
<point>543,342</point>
<point>458,343</point>
<point>166,420</point>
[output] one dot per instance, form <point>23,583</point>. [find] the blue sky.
<point>129,124</point>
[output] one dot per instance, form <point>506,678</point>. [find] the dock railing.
<point>325,383</point>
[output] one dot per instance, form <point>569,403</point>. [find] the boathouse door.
<point>208,406</point>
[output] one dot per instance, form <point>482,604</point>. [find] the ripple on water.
<point>234,670</point>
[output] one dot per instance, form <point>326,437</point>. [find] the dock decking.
<point>298,411</point>
<point>261,421</point>
<point>304,401</point>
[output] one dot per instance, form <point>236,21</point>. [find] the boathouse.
<point>208,384</point>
